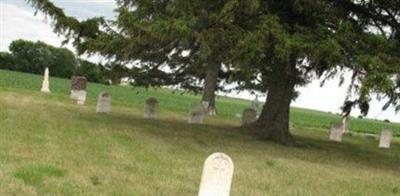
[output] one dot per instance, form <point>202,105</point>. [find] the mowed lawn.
<point>51,146</point>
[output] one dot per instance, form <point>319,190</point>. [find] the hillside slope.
<point>227,107</point>
<point>51,146</point>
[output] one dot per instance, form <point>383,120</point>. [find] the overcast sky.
<point>17,21</point>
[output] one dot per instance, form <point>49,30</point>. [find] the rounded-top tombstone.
<point>150,108</point>
<point>103,103</point>
<point>217,175</point>
<point>249,116</point>
<point>196,113</point>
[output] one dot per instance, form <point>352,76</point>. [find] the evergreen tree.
<point>266,45</point>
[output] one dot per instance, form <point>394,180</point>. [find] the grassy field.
<point>51,146</point>
<point>227,107</point>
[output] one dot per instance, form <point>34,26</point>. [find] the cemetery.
<point>120,152</point>
<point>207,98</point>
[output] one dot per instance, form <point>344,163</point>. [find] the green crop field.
<point>49,145</point>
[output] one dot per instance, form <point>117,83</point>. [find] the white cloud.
<point>17,23</point>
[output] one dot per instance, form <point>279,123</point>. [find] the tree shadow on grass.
<point>353,149</point>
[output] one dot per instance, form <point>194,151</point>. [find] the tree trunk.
<point>210,86</point>
<point>273,122</point>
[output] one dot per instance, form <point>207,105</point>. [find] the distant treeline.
<point>34,57</point>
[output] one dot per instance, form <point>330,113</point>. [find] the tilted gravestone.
<point>336,132</point>
<point>45,84</point>
<point>103,103</point>
<point>196,113</point>
<point>385,139</point>
<point>78,89</point>
<point>249,116</point>
<point>216,178</point>
<point>150,108</point>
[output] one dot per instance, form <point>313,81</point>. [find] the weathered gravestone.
<point>217,175</point>
<point>346,124</point>
<point>197,112</point>
<point>45,84</point>
<point>103,103</point>
<point>78,89</point>
<point>249,116</point>
<point>385,139</point>
<point>150,108</point>
<point>291,127</point>
<point>336,132</point>
<point>255,104</point>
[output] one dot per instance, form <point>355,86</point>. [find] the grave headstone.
<point>336,132</point>
<point>103,103</point>
<point>216,179</point>
<point>196,113</point>
<point>249,116</point>
<point>78,89</point>
<point>385,139</point>
<point>45,83</point>
<point>81,97</point>
<point>209,109</point>
<point>346,124</point>
<point>150,108</point>
<point>291,127</point>
<point>255,104</point>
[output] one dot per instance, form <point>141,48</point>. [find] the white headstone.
<point>196,113</point>
<point>45,84</point>
<point>80,97</point>
<point>255,104</point>
<point>103,103</point>
<point>217,175</point>
<point>336,132</point>
<point>346,124</point>
<point>385,139</point>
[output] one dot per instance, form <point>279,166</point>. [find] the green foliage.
<point>33,57</point>
<point>7,61</point>
<point>92,72</point>
<point>265,46</point>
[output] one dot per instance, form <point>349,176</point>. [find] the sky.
<point>18,21</point>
